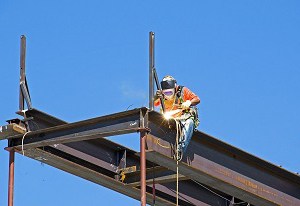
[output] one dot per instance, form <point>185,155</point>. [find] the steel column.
<point>22,70</point>
<point>143,136</point>
<point>151,66</point>
<point>11,177</point>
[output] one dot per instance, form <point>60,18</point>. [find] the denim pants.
<point>187,133</point>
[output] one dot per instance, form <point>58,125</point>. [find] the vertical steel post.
<point>151,66</point>
<point>158,87</point>
<point>11,177</point>
<point>22,70</point>
<point>143,134</point>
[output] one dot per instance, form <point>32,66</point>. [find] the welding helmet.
<point>168,85</point>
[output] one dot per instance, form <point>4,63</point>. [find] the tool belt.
<point>191,113</point>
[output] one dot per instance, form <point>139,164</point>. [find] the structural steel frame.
<point>208,161</point>
<point>212,172</point>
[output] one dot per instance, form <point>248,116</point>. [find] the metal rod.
<point>143,166</point>
<point>22,70</point>
<point>26,94</point>
<point>151,66</point>
<point>159,88</point>
<point>11,177</point>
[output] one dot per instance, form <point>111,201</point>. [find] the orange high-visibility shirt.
<point>170,105</point>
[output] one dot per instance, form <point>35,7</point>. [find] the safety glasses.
<point>168,92</point>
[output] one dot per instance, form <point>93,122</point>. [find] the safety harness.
<point>192,111</point>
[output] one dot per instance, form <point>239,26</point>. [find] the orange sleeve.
<point>189,95</point>
<point>157,102</point>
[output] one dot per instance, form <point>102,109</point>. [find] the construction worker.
<point>180,104</point>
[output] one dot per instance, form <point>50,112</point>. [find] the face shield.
<point>168,93</point>
<point>168,84</point>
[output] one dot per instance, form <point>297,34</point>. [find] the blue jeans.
<point>187,133</point>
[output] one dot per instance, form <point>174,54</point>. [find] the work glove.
<point>186,104</point>
<point>158,95</point>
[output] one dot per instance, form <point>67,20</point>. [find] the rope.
<point>158,143</point>
<point>178,134</point>
<point>153,187</point>
<point>23,142</point>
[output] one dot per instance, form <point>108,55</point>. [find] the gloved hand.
<point>186,104</point>
<point>158,95</point>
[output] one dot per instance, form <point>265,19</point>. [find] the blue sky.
<point>90,58</point>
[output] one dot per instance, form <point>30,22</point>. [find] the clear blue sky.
<point>90,58</point>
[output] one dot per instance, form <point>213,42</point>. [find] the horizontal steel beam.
<point>11,130</point>
<point>191,193</point>
<point>95,169</point>
<point>108,158</point>
<point>40,119</point>
<point>110,125</point>
<point>100,152</point>
<point>158,174</point>
<point>90,174</point>
<point>223,167</point>
<point>208,160</point>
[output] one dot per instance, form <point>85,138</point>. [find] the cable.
<point>219,194</point>
<point>23,142</point>
<point>177,150</point>
<point>182,197</point>
<point>128,107</point>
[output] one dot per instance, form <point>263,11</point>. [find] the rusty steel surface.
<point>110,125</point>
<point>224,167</point>
<point>11,177</point>
<point>91,168</point>
<point>208,160</point>
<point>93,175</point>
<point>100,164</point>
<point>103,156</point>
<point>143,167</point>
<point>159,173</point>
